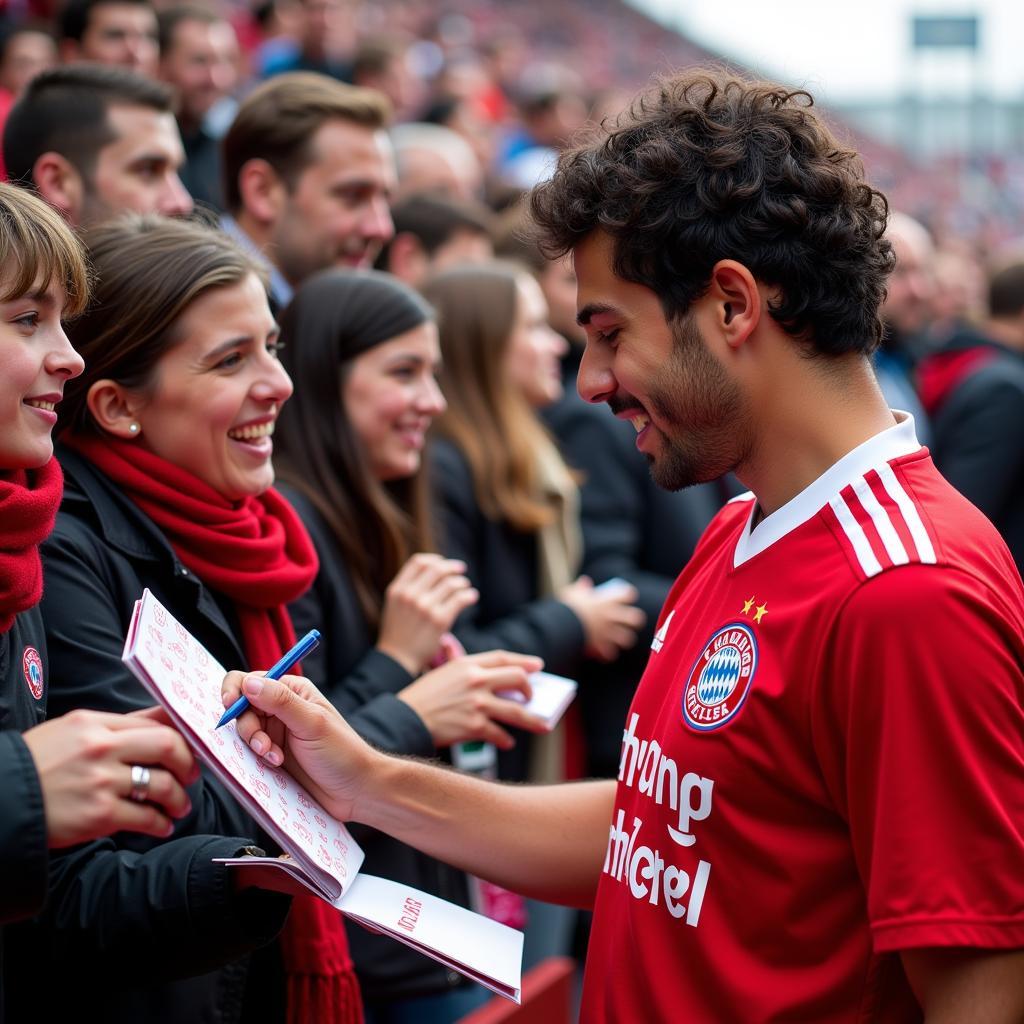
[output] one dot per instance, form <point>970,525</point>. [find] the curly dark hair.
<point>707,166</point>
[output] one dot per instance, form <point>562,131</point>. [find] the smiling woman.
<point>166,445</point>
<point>363,350</point>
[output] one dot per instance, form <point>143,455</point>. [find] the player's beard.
<point>701,411</point>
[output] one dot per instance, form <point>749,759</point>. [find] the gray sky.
<point>852,49</point>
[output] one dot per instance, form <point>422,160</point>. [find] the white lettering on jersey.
<point>643,870</point>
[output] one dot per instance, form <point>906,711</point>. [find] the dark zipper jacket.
<point>103,552</point>
<point>973,389</point>
<point>104,916</point>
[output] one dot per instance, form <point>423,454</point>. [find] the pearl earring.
<point>133,428</point>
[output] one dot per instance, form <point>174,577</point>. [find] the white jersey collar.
<point>875,451</point>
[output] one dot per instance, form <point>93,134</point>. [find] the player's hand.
<point>84,760</point>
<point>290,723</point>
<point>610,619</point>
<point>420,604</point>
<point>458,701</point>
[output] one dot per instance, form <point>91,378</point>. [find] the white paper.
<point>488,951</point>
<point>614,587</point>
<point>551,696</point>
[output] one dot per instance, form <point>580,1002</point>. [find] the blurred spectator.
<point>25,50</point>
<point>118,33</point>
<point>199,59</point>
<point>466,117</point>
<point>326,40</point>
<point>435,159</point>
<point>433,233</point>
<point>551,109</point>
<point>383,64</point>
<point>974,390</point>
<point>95,142</point>
<point>308,175</point>
<point>907,314</point>
<point>959,292</point>
<point>278,23</point>
<point>557,280</point>
<point>508,504</point>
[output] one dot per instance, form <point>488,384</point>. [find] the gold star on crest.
<point>762,609</point>
<point>747,605</point>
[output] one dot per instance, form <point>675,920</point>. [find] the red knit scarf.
<point>257,552</point>
<point>29,500</point>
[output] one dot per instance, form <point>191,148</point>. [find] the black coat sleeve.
<point>365,692</point>
<point>168,912</point>
<point>23,845</point>
<point>978,436</point>
<point>359,680</point>
<point>542,626</point>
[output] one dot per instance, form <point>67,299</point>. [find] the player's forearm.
<point>547,842</point>
<point>968,986</point>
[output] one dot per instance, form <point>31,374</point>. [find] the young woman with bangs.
<point>103,911</point>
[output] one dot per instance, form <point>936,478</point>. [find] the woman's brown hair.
<point>335,316</point>
<point>487,417</point>
<point>148,271</point>
<point>37,248</point>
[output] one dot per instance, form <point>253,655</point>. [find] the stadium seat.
<point>547,997</point>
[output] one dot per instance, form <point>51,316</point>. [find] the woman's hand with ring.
<point>90,767</point>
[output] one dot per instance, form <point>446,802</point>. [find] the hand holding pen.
<point>308,643</point>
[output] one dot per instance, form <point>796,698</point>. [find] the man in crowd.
<point>432,158</point>
<point>974,391</point>
<point>118,33</point>
<point>818,810</point>
<point>95,142</point>
<point>308,175</point>
<point>326,40</point>
<point>906,311</point>
<point>25,50</point>
<point>199,60</point>
<point>433,232</point>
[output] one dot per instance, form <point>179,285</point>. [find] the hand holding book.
<point>303,819</point>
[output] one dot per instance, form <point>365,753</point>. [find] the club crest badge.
<point>32,666</point>
<point>721,677</point>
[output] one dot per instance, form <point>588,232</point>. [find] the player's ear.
<point>735,300</point>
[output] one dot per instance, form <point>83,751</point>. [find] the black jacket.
<point>104,914</point>
<point>23,851</point>
<point>974,391</point>
<point>352,673</point>
<point>633,530</point>
<point>502,564</point>
<point>101,555</point>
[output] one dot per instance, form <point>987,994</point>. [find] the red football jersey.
<point>824,761</point>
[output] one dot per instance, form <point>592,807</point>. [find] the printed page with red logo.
<point>320,854</point>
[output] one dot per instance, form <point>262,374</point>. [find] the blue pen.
<point>308,643</point>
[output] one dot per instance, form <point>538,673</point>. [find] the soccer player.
<point>819,807</point>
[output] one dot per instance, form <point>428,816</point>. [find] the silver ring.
<point>140,784</point>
